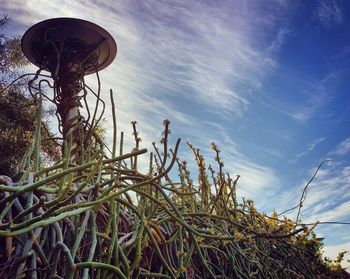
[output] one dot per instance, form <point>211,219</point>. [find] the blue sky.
<point>266,80</point>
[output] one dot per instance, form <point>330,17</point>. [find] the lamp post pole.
<point>69,49</point>
<point>69,85</point>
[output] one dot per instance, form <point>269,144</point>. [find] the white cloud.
<point>330,13</point>
<point>282,35</point>
<point>310,147</point>
<point>318,100</point>
<point>343,148</point>
<point>207,56</point>
<point>311,95</point>
<point>318,94</point>
<point>205,50</point>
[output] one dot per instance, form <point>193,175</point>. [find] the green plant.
<point>105,219</point>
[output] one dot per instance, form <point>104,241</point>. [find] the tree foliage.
<point>11,56</point>
<point>17,108</point>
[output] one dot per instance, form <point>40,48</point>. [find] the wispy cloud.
<point>317,101</point>
<point>329,13</point>
<point>186,45</point>
<point>343,148</point>
<point>282,35</point>
<point>178,53</point>
<point>309,148</point>
<point>318,95</point>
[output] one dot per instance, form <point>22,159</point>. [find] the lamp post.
<point>69,49</point>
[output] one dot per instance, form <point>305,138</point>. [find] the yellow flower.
<point>199,239</point>
<point>238,236</point>
<point>183,269</point>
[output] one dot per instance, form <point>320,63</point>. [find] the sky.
<point>266,80</point>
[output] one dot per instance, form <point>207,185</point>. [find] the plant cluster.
<point>103,218</point>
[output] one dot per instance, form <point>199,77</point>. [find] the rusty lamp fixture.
<point>69,49</point>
